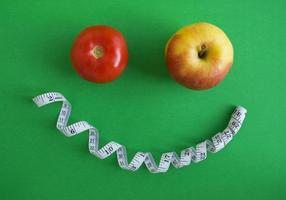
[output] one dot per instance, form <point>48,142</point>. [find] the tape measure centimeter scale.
<point>187,156</point>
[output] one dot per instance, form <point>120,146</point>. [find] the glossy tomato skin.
<point>99,54</point>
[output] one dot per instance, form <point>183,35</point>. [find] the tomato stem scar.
<point>97,52</point>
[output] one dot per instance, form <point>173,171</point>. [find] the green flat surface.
<point>144,109</point>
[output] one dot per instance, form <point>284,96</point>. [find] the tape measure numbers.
<point>187,156</point>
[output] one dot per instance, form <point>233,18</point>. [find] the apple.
<point>199,56</point>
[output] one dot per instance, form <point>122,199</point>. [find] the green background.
<point>144,109</point>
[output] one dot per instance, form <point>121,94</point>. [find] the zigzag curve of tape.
<point>187,156</point>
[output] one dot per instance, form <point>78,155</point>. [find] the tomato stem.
<point>97,52</point>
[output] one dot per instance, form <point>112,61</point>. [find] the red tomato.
<point>99,54</point>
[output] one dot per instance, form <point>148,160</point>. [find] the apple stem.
<point>203,51</point>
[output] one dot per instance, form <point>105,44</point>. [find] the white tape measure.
<point>187,156</point>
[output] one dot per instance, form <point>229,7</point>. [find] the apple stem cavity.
<point>203,51</point>
<point>97,52</point>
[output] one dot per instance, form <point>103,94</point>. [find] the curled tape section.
<point>187,156</point>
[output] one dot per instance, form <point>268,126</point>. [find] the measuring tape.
<point>187,156</point>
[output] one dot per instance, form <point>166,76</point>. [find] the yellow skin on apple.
<point>199,56</point>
